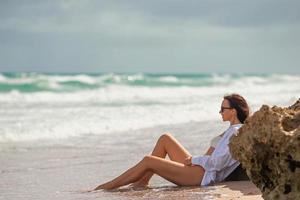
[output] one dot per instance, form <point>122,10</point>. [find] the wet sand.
<point>68,169</point>
<point>223,191</point>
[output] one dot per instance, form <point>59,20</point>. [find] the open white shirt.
<point>220,163</point>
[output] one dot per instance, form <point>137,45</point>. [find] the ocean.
<point>61,134</point>
<point>37,106</point>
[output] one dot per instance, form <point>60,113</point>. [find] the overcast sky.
<point>174,36</point>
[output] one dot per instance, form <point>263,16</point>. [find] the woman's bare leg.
<point>174,172</point>
<point>165,145</point>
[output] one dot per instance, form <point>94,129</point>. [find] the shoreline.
<point>63,171</point>
<point>222,191</point>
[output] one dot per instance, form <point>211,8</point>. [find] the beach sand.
<point>223,191</point>
<point>68,169</point>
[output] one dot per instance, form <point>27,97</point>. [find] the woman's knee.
<point>165,136</point>
<point>147,161</point>
<point>147,158</point>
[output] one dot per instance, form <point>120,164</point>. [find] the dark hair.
<point>238,102</point>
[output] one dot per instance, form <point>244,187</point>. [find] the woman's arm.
<point>209,151</point>
<point>213,163</point>
<point>188,161</point>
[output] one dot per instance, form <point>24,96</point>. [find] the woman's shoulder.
<point>233,129</point>
<point>236,127</point>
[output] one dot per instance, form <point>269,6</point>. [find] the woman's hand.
<point>188,161</point>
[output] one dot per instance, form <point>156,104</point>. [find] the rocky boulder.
<point>268,147</point>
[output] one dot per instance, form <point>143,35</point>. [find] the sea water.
<point>48,106</point>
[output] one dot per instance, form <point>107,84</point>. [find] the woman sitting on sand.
<point>182,168</point>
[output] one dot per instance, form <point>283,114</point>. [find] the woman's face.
<point>226,111</point>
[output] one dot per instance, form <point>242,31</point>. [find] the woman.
<point>182,168</point>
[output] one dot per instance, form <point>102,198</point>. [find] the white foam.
<point>48,115</point>
<point>169,79</point>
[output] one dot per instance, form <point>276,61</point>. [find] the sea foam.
<point>123,102</point>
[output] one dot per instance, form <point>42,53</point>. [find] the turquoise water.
<point>36,82</point>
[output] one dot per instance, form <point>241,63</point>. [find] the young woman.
<point>183,169</point>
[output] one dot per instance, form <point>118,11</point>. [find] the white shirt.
<point>215,141</point>
<point>220,163</point>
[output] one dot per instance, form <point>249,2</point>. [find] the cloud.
<point>149,33</point>
<point>75,15</point>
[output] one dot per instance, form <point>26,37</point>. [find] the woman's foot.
<point>136,185</point>
<point>105,186</point>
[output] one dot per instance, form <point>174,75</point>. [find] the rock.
<point>268,147</point>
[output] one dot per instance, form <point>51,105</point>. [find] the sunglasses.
<point>224,108</point>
